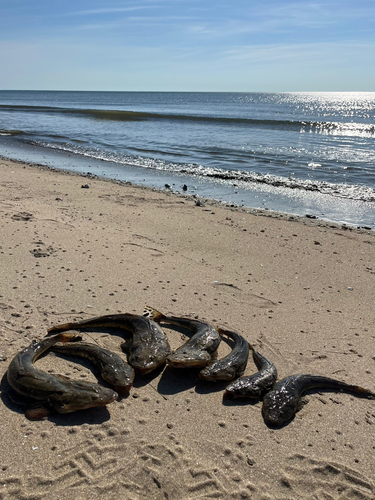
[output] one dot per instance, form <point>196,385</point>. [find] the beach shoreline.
<point>308,219</point>
<point>299,289</point>
<point>258,194</point>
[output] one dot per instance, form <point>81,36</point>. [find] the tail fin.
<point>365,392</point>
<point>69,337</point>
<point>154,314</point>
<point>222,331</point>
<point>59,328</point>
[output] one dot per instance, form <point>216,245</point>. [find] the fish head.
<point>238,390</point>
<point>121,380</point>
<point>187,358</point>
<point>146,358</point>
<point>217,372</point>
<point>81,396</point>
<point>276,415</point>
<point>245,387</point>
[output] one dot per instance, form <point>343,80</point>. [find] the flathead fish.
<point>53,391</point>
<point>112,367</point>
<point>231,366</point>
<point>281,403</point>
<point>199,349</point>
<point>254,386</point>
<point>149,346</point>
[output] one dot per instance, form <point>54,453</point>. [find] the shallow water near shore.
<point>298,153</point>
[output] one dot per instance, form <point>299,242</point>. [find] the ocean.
<point>299,153</point>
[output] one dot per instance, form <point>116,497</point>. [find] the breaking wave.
<point>241,178</point>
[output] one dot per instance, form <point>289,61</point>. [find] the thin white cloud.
<point>109,10</point>
<point>276,53</point>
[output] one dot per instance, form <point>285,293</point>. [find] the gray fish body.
<point>199,349</point>
<point>255,385</point>
<point>231,366</point>
<point>149,346</point>
<point>281,403</point>
<point>112,367</point>
<point>62,394</point>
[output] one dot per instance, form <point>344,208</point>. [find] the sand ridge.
<point>301,291</point>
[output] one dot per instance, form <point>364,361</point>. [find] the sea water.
<point>300,153</point>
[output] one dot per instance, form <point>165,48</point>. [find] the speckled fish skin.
<point>61,393</point>
<point>149,346</point>
<point>231,366</point>
<point>112,367</point>
<point>254,386</point>
<point>281,403</point>
<point>198,351</point>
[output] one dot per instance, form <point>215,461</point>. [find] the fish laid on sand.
<point>254,386</point>
<point>231,366</point>
<point>199,349</point>
<point>53,391</point>
<point>281,403</point>
<point>149,346</point>
<point>113,369</point>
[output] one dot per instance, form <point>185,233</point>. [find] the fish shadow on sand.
<point>92,416</point>
<point>19,404</point>
<point>175,380</point>
<point>10,397</point>
<point>142,380</point>
<point>207,387</point>
<point>241,401</point>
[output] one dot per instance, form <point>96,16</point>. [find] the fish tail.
<point>222,331</point>
<point>69,337</point>
<point>60,328</point>
<point>154,314</point>
<point>365,392</point>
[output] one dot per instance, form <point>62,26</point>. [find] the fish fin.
<point>365,392</point>
<point>60,328</point>
<point>37,413</point>
<point>222,331</point>
<point>126,345</point>
<point>154,314</point>
<point>70,337</point>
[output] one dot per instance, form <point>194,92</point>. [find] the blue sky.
<point>182,45</point>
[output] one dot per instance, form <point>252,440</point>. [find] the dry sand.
<point>301,291</point>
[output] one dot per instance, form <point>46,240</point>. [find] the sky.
<point>187,45</point>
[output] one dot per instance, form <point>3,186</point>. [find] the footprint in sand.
<point>112,463</point>
<point>22,216</point>
<point>42,250</point>
<point>306,478</point>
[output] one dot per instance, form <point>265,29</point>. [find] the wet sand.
<point>300,290</point>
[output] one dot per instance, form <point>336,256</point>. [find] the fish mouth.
<point>209,377</point>
<point>123,389</point>
<point>144,370</point>
<point>229,395</point>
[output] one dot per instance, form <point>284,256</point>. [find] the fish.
<point>54,391</point>
<point>254,386</point>
<point>149,347</point>
<point>282,402</point>
<point>199,350</point>
<point>231,366</point>
<point>113,368</point>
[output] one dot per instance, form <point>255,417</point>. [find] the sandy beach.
<point>300,290</point>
